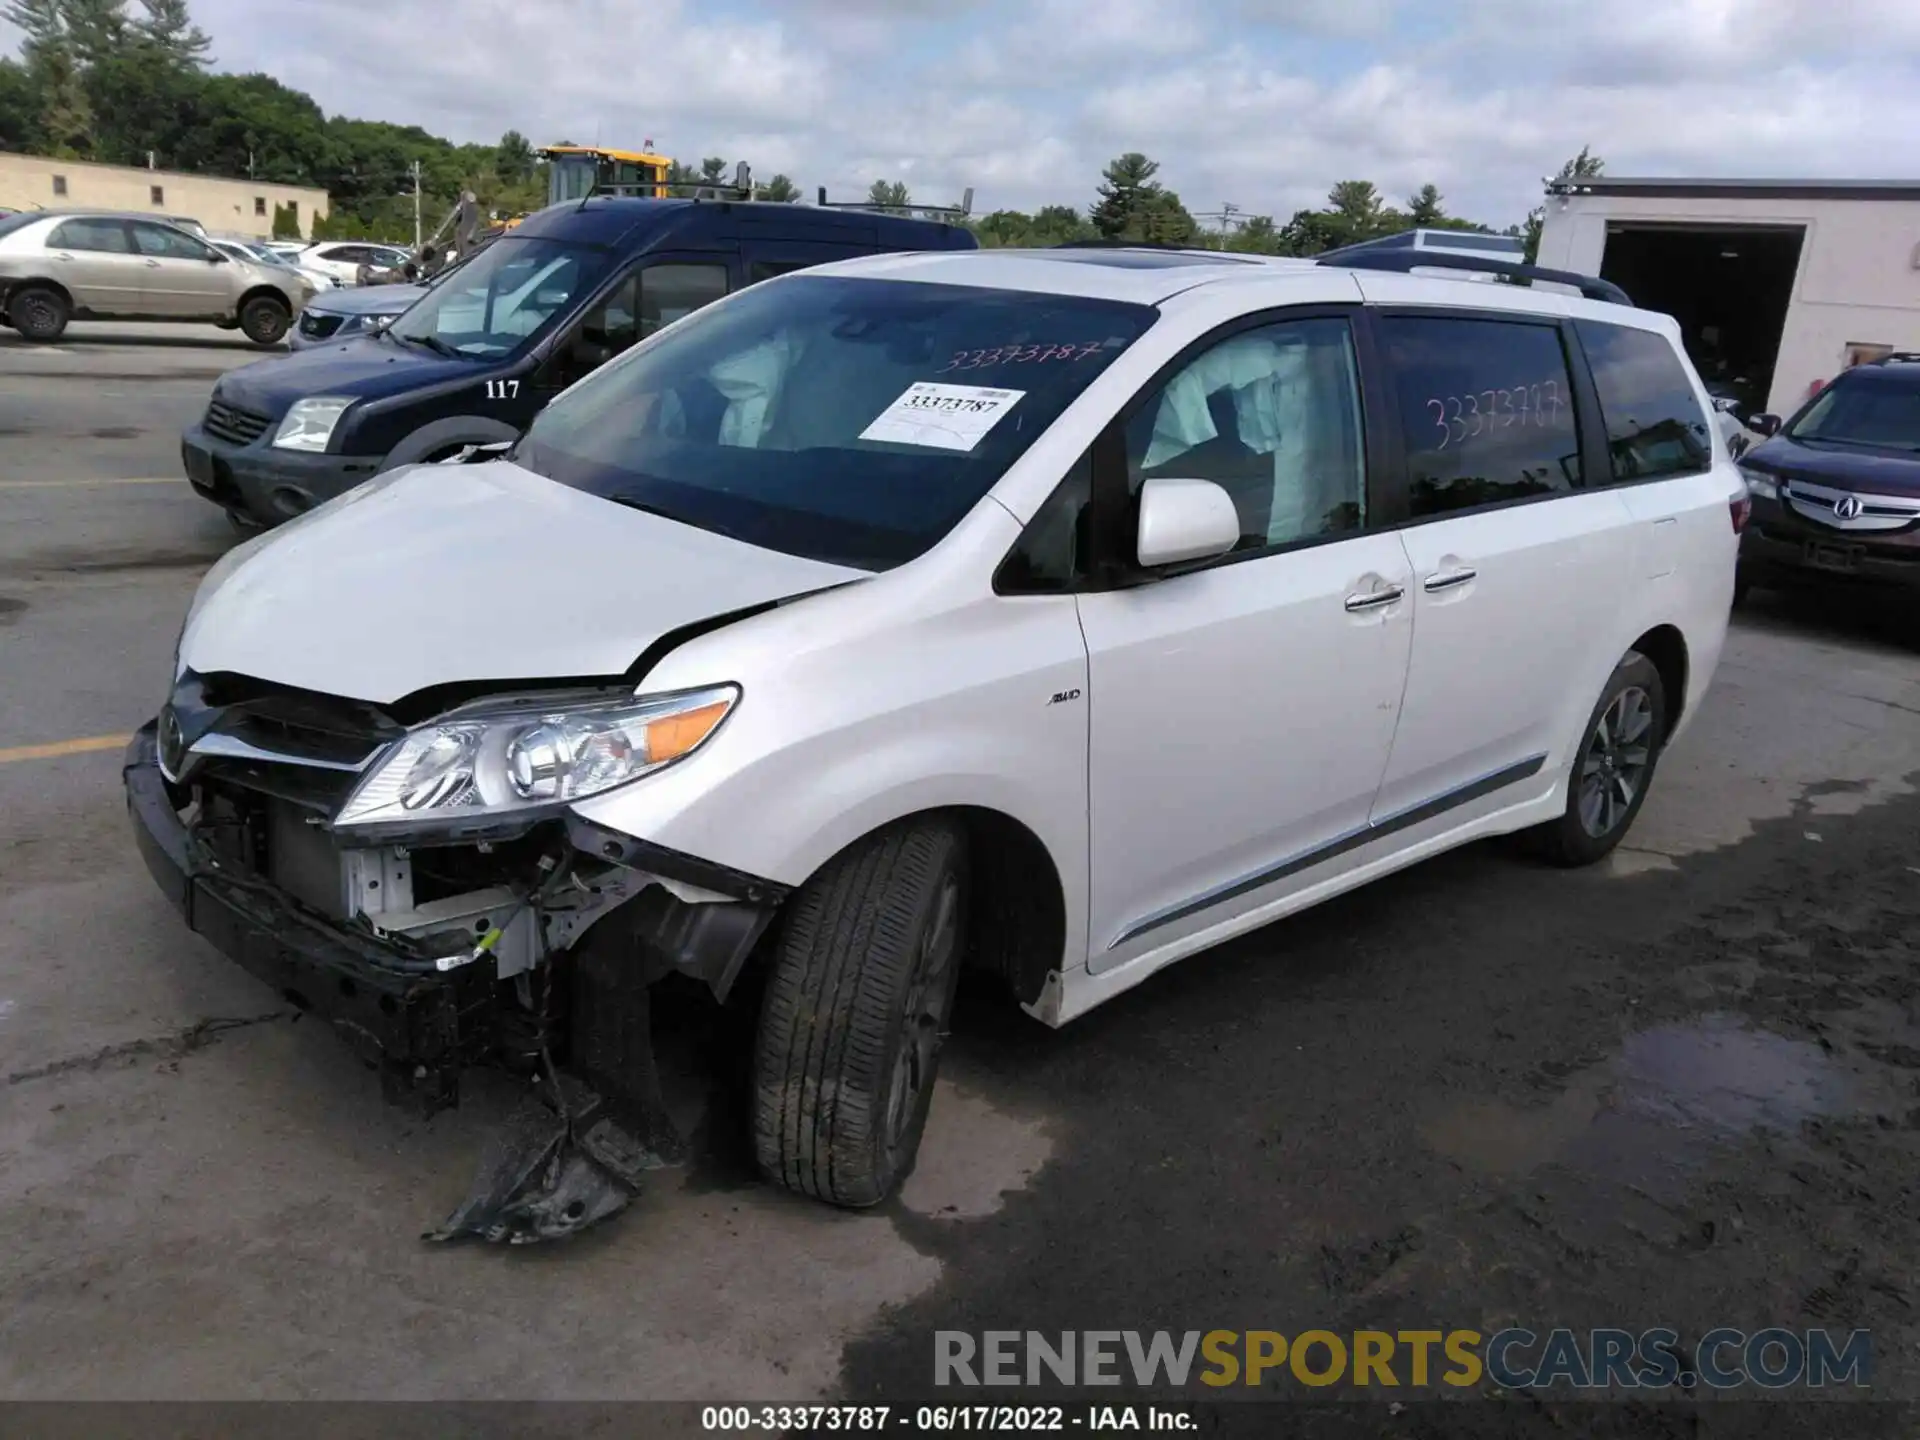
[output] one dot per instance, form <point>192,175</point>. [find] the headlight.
<point>1761,483</point>
<point>309,424</point>
<point>496,761</point>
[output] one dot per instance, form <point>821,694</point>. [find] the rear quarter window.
<point>1655,425</point>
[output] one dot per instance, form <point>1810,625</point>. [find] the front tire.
<point>265,321</point>
<point>1613,767</point>
<point>855,1012</point>
<point>40,313</point>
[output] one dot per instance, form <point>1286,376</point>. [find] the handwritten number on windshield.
<point>1459,418</point>
<point>1017,355</point>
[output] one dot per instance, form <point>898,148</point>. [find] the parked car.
<point>351,312</point>
<point>509,328</point>
<point>343,258</point>
<point>845,632</point>
<point>58,266</point>
<point>259,254</point>
<point>1836,488</point>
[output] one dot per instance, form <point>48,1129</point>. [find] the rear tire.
<point>265,321</point>
<point>40,313</point>
<point>1613,767</point>
<point>855,1011</point>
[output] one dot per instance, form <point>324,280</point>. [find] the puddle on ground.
<point>1671,1097</point>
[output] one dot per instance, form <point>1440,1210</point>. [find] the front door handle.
<point>1373,599</point>
<point>153,264</point>
<point>1447,580</point>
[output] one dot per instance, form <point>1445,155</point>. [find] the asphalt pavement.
<point>1682,1088</point>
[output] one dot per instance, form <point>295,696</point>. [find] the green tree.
<point>62,119</point>
<point>169,32</point>
<point>1127,192</point>
<point>513,158</point>
<point>779,189</point>
<point>19,106</point>
<point>1361,212</point>
<point>286,223</point>
<point>712,169</point>
<point>1257,235</point>
<point>1423,208</point>
<point>1310,232</point>
<point>96,29</point>
<point>889,196</point>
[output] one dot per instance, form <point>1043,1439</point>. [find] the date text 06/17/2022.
<point>941,1419</point>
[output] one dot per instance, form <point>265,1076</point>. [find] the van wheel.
<point>39,313</point>
<point>855,1012</point>
<point>1613,766</point>
<point>264,320</point>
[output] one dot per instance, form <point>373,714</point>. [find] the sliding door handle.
<point>1447,580</point>
<point>1373,599</point>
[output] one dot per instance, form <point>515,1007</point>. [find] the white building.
<point>1778,283</point>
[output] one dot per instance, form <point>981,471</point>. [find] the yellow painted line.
<point>59,748</point>
<point>76,484</point>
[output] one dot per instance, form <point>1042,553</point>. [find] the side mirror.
<point>1764,424</point>
<point>1185,520</point>
<point>214,257</point>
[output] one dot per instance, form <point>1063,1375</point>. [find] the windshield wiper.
<point>645,508</point>
<point>431,342</point>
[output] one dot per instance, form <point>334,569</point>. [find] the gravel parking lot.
<point>1681,1089</point>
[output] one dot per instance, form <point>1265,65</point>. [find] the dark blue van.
<point>479,355</point>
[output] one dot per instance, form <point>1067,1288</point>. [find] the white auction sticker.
<point>943,417</point>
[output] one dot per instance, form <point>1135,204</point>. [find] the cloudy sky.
<point>1259,103</point>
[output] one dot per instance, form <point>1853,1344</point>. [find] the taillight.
<point>1740,510</point>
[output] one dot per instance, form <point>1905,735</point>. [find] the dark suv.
<point>1836,489</point>
<point>480,355</point>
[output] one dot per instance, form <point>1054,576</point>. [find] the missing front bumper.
<point>575,1151</point>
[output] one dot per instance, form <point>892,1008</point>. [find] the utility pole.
<point>416,207</point>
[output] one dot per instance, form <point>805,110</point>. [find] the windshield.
<point>847,420</point>
<point>19,221</point>
<point>504,297</point>
<point>1879,413</point>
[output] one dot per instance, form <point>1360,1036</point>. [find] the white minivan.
<point>1058,613</point>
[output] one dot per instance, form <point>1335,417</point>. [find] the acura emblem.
<point>1847,507</point>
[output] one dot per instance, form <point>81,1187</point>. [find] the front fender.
<point>453,431</point>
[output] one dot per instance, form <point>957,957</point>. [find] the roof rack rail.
<point>1902,357</point>
<point>959,212</point>
<point>1406,261</point>
<point>1120,245</point>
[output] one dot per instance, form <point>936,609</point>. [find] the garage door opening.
<point>1728,287</point>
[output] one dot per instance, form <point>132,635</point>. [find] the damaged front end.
<point>527,942</point>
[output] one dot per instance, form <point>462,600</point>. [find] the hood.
<point>1877,472</point>
<point>369,300</point>
<point>442,573</point>
<point>366,368</point>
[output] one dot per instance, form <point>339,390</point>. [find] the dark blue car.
<point>476,359</point>
<point>1836,489</point>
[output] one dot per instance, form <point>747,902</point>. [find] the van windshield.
<point>847,420</point>
<point>505,296</point>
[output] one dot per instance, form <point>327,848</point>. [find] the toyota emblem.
<point>1847,507</point>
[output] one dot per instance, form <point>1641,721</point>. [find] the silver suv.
<point>101,265</point>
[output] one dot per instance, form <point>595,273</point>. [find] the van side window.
<point>1486,410</point>
<point>668,292</point>
<point>1051,554</point>
<point>1655,426</point>
<point>766,269</point>
<point>1272,416</point>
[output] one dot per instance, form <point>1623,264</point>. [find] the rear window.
<point>1655,425</point>
<point>847,420</point>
